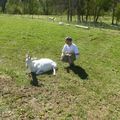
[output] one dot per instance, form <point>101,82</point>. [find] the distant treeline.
<point>84,9</point>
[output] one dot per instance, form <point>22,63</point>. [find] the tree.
<point>14,6</point>
<point>48,6</point>
<point>117,14</point>
<point>84,9</point>
<point>99,6</point>
<point>25,6</point>
<point>33,6</point>
<point>114,3</point>
<point>69,10</point>
<point>3,5</point>
<point>114,12</point>
<point>87,9</point>
<point>78,11</point>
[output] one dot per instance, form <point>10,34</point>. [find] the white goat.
<point>52,19</point>
<point>40,66</point>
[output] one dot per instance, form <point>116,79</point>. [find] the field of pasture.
<point>91,91</point>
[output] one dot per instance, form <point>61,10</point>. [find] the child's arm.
<point>63,51</point>
<point>76,52</point>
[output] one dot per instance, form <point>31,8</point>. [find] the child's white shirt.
<point>70,49</point>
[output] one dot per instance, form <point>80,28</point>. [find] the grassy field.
<point>89,92</point>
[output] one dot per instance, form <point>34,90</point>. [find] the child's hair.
<point>68,38</point>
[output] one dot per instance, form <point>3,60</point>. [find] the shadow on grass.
<point>79,71</point>
<point>34,80</point>
<point>102,25</point>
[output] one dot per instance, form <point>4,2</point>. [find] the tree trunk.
<point>113,13</point>
<point>71,7</point>
<point>68,15</point>
<point>78,18</point>
<point>82,18</point>
<point>95,12</point>
<point>68,11</point>
<point>87,17</point>
<point>98,15</point>
<point>71,16</point>
<point>87,11</point>
<point>78,11</point>
<point>4,5</point>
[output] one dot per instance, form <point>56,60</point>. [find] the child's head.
<point>68,40</point>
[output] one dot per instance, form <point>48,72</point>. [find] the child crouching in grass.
<point>69,52</point>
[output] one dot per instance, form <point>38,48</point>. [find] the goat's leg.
<point>54,71</point>
<point>39,72</point>
<point>34,79</point>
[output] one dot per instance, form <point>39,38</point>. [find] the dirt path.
<point>32,102</point>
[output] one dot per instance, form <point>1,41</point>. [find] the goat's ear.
<point>28,53</point>
<point>27,56</point>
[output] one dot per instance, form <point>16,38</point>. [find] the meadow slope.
<point>89,92</point>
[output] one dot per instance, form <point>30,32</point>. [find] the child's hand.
<point>68,54</point>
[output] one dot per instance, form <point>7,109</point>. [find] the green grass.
<point>65,96</point>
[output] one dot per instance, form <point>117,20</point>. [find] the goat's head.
<point>28,57</point>
<point>27,60</point>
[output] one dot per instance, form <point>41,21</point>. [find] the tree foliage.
<point>84,9</point>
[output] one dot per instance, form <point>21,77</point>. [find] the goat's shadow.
<point>34,79</point>
<point>78,71</point>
